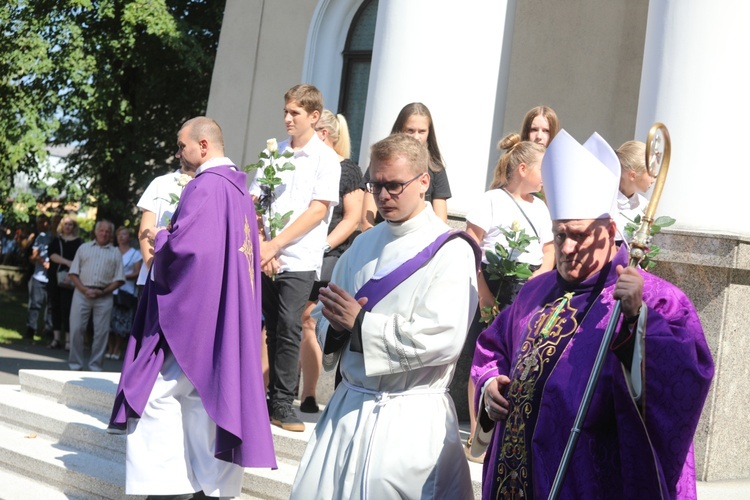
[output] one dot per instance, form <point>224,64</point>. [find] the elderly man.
<point>531,366</point>
<point>396,313</point>
<point>191,392</point>
<point>96,272</point>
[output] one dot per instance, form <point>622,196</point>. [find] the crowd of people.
<point>59,279</point>
<point>361,274</point>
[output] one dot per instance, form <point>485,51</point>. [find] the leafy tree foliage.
<point>114,78</point>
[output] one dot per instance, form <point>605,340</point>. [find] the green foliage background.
<point>115,79</point>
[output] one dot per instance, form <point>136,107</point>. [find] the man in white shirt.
<point>157,205</point>
<point>291,260</point>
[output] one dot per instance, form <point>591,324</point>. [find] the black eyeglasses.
<point>393,188</point>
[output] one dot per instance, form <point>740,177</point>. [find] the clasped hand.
<point>340,308</point>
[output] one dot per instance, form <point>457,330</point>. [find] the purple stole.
<point>377,288</point>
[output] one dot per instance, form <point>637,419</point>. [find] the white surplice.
<point>390,429</point>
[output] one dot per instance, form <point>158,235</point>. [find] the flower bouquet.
<point>270,163</point>
<point>503,265</point>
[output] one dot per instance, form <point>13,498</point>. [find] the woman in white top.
<point>510,203</point>
<point>125,299</point>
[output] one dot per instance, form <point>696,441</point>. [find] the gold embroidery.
<point>546,329</point>
<point>247,249</point>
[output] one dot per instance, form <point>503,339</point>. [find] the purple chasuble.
<point>204,306</point>
<point>546,342</point>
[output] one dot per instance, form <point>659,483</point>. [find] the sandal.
<point>55,344</point>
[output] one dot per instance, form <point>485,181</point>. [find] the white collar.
<point>216,162</point>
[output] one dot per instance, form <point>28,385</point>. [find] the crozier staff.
<point>531,366</point>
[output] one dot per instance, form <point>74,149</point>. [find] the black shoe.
<point>309,405</point>
<point>30,332</point>
<point>55,344</point>
<point>285,417</point>
<point>117,429</point>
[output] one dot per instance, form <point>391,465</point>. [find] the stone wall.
<point>714,271</point>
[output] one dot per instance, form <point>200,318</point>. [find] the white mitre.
<point>580,181</point>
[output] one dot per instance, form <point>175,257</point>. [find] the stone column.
<point>448,58</point>
<point>694,80</point>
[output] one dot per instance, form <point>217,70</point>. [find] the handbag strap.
<point>60,242</point>
<point>524,213</point>
<point>132,256</point>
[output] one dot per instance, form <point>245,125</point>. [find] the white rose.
<point>272,146</point>
<point>515,226</point>
<point>183,179</point>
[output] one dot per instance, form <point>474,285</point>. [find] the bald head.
<point>201,127</point>
<point>199,140</point>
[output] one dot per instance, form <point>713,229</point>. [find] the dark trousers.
<point>38,305</point>
<point>284,300</point>
<point>59,300</point>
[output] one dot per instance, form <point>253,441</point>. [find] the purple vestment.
<point>204,306</point>
<point>546,344</point>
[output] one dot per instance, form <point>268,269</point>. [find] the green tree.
<point>114,78</point>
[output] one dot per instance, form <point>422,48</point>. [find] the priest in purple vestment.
<point>191,396</point>
<point>532,364</point>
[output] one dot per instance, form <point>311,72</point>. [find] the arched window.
<point>355,73</point>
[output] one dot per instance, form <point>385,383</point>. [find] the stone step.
<point>270,484</point>
<point>76,473</point>
<point>72,409</point>
<point>79,429</point>
<point>91,391</point>
<point>18,487</point>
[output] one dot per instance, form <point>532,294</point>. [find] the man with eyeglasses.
<point>396,314</point>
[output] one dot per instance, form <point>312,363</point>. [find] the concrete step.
<point>18,487</point>
<point>69,470</point>
<point>78,429</point>
<point>71,409</point>
<point>270,484</point>
<point>91,391</point>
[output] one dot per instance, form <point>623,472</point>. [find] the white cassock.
<point>390,429</point>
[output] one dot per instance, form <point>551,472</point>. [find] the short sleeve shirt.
<point>351,180</point>
<point>315,176</point>
<point>98,266</point>
<point>156,199</point>
<point>497,210</point>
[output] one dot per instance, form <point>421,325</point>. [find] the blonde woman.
<point>334,131</point>
<point>635,180</point>
<point>60,295</point>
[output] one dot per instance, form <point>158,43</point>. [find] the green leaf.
<point>664,221</point>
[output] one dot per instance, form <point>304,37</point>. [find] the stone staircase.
<point>53,442</point>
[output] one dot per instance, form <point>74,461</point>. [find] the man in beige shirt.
<point>96,272</point>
